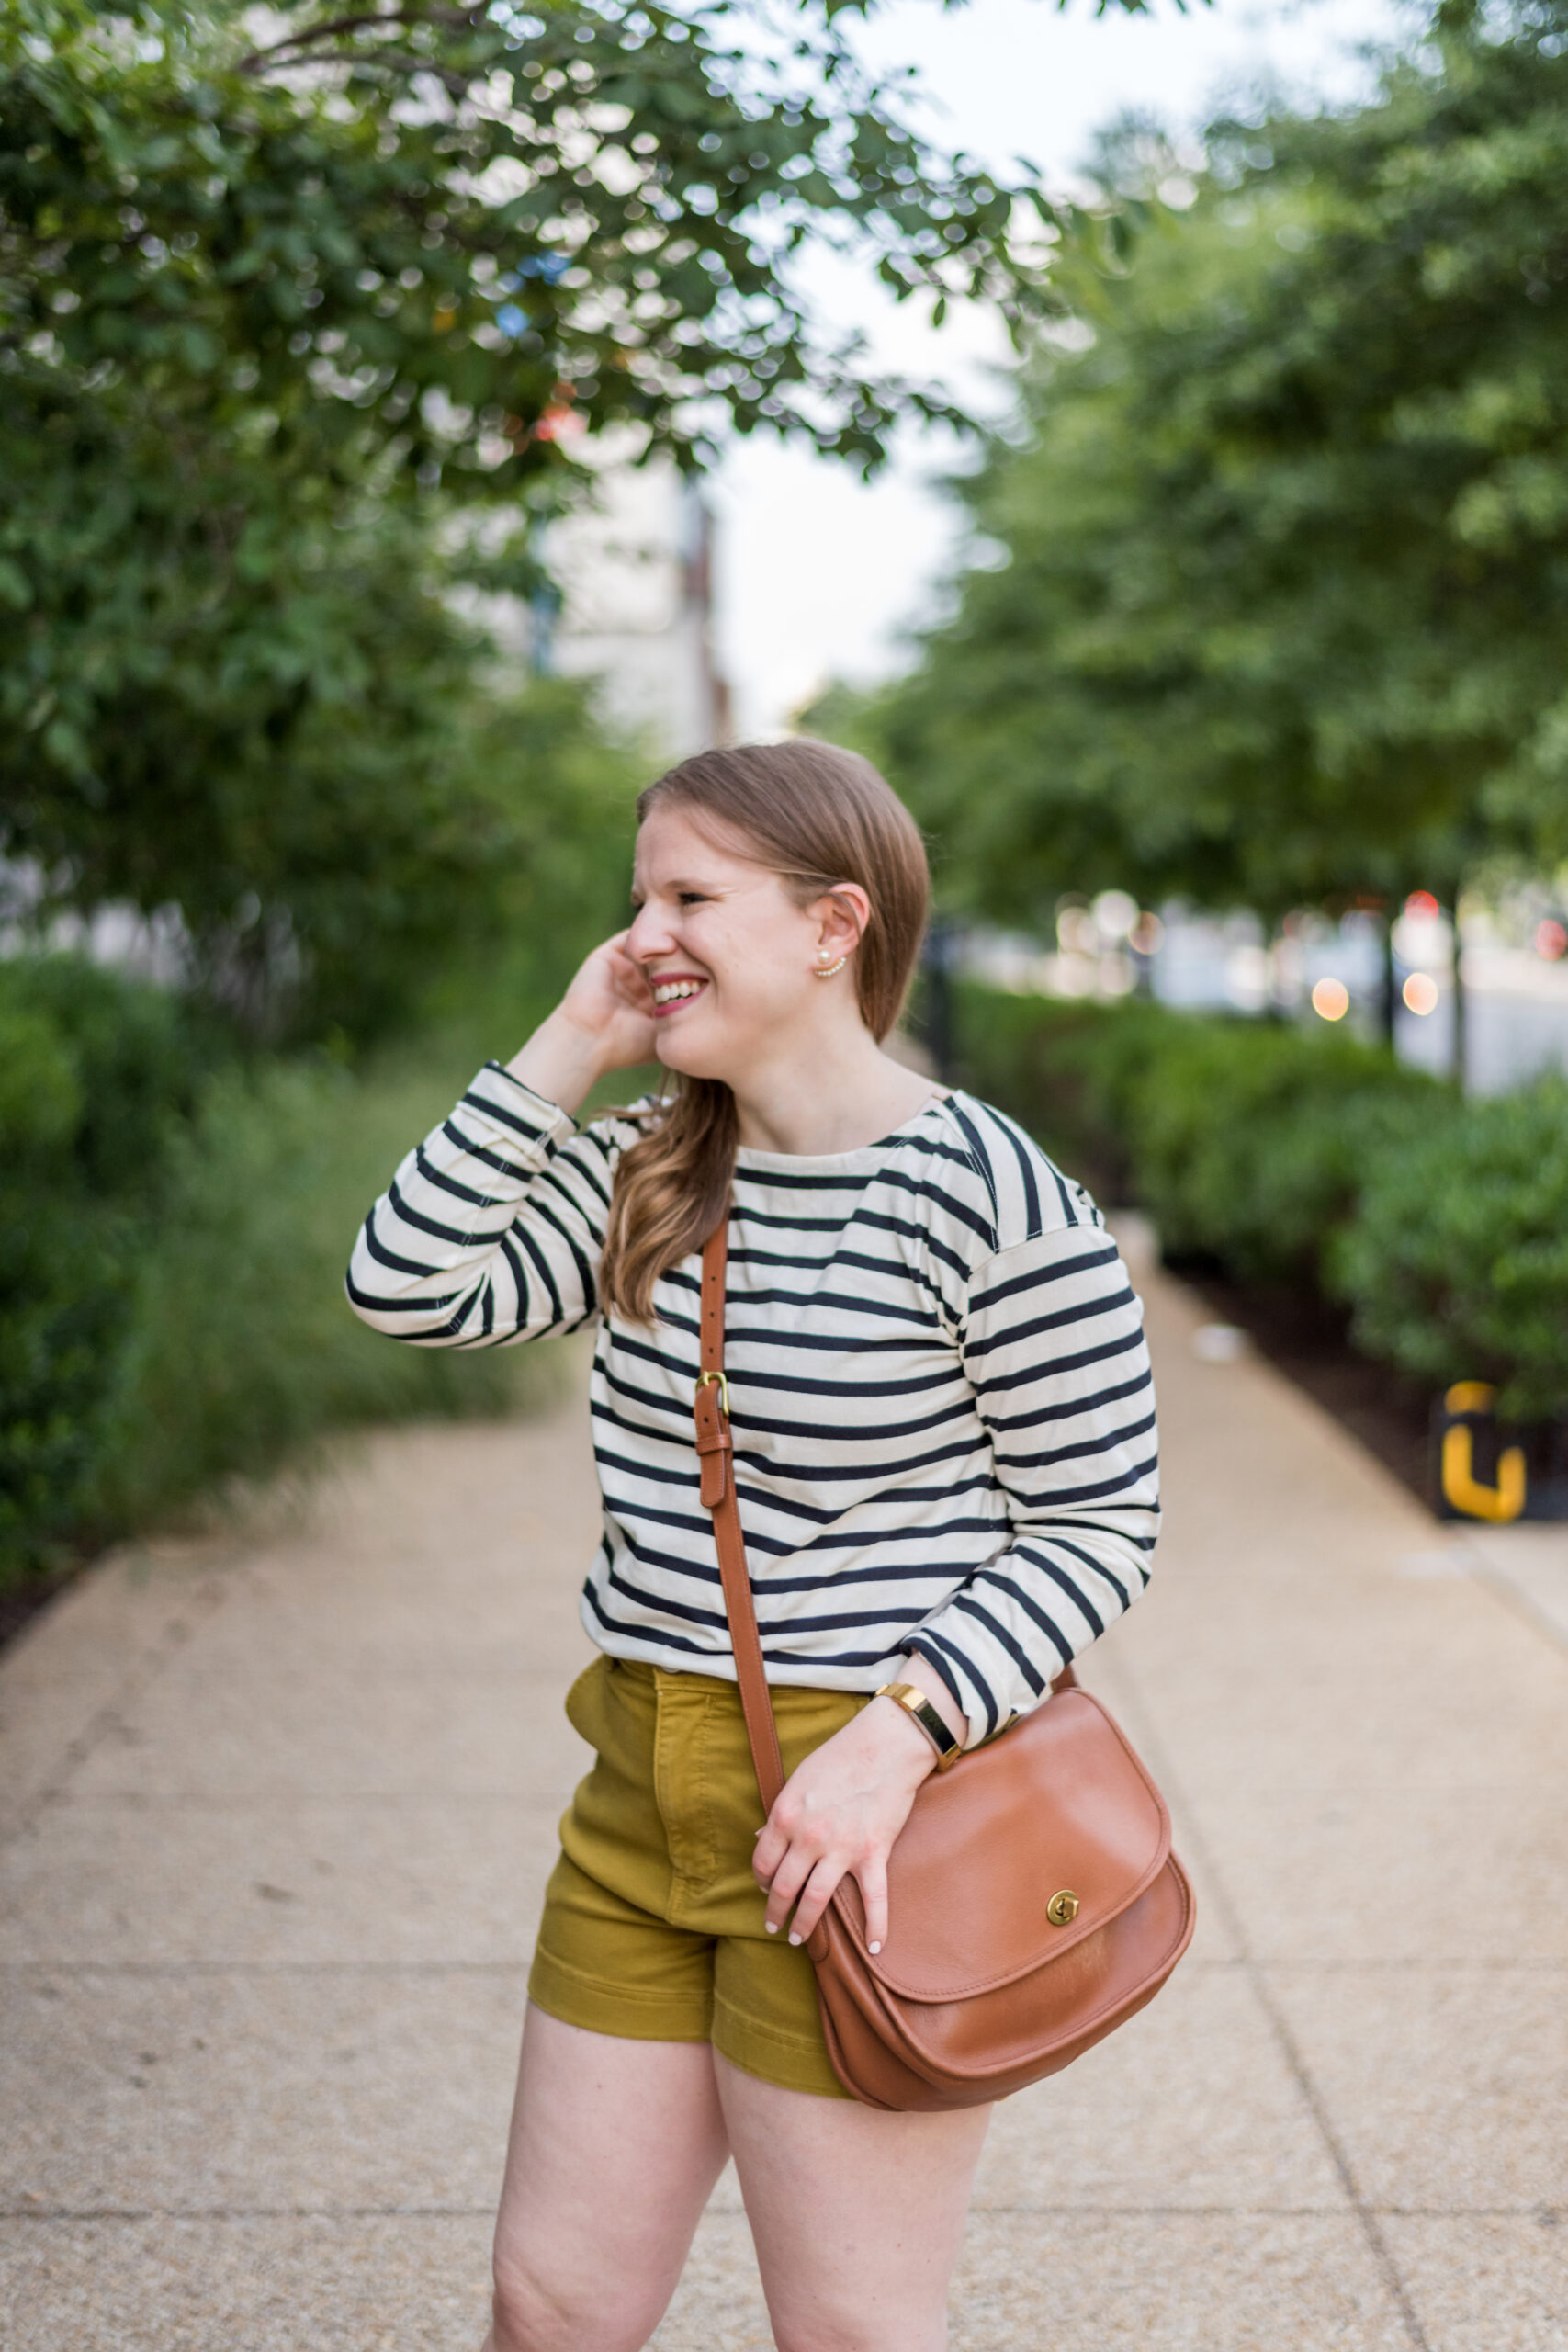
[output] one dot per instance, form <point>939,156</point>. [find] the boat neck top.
<point>941,1399</point>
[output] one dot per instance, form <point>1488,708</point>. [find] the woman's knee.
<point>528,2316</point>
<point>532,2313</point>
<point>824,2329</point>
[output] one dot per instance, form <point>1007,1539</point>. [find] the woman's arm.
<point>491,1229</point>
<point>1053,1344</point>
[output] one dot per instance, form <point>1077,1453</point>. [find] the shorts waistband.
<point>674,1679</point>
<point>678,1682</point>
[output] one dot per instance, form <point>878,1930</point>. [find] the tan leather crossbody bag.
<point>1034,1900</point>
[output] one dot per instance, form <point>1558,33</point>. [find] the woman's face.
<point>730,956</point>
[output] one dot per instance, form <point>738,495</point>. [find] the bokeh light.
<point>1114,912</point>
<point>1422,907</point>
<point>1420,992</point>
<point>1550,939</point>
<point>1331,999</point>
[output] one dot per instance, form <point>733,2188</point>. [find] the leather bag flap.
<point>1058,1804</point>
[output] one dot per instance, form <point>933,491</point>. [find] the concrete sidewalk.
<point>276,1823</point>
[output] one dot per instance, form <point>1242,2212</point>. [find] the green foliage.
<point>1273,604</point>
<point>511,867</point>
<point>591,207</point>
<point>175,1215</point>
<point>173,1226</point>
<point>104,1065</point>
<point>1064,1069</point>
<point>1457,1262</point>
<point>1288,1156</point>
<point>1245,1140</point>
<point>41,1094</point>
<point>1251,1140</point>
<point>244,1353</point>
<point>94,1072</point>
<point>281,324</point>
<point>65,1311</point>
<point>562,836</point>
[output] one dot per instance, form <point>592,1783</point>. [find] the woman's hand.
<point>611,1001</point>
<point>604,1021</point>
<point>840,1810</point>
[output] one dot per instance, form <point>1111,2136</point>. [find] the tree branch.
<point>259,60</point>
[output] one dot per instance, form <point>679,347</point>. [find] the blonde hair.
<point>819,817</point>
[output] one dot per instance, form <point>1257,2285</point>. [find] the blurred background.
<point>1145,432</point>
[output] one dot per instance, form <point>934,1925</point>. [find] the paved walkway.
<point>275,1822</point>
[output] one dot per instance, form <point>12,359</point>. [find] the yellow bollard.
<point>1461,1489</point>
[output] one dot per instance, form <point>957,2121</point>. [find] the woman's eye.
<point>691,898</point>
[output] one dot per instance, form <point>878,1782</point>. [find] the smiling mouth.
<point>668,993</point>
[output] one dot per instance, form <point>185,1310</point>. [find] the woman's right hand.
<point>610,999</point>
<point>605,1022</point>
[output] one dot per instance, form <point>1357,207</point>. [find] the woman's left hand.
<point>840,1812</point>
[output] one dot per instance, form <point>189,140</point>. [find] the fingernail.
<point>772,1927</point>
<point>873,1946</point>
<point>794,1937</point>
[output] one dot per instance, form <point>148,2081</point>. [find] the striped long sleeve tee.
<point>940,1395</point>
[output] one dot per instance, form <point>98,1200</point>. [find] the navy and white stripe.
<point>941,1397</point>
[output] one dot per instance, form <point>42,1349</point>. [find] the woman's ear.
<point>842,917</point>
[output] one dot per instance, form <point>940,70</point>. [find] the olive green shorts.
<point>653,1925</point>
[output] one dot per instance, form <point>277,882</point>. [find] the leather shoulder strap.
<point>715,1455</point>
<point>717,1458</point>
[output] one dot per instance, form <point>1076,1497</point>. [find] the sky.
<point>819,575</point>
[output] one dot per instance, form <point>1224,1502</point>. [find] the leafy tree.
<point>1273,604</point>
<point>279,307</point>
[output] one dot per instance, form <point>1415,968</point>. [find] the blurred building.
<point>632,607</point>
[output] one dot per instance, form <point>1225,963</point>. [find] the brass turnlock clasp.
<point>1062,1907</point>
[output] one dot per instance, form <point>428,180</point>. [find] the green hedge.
<point>1244,1140</point>
<point>1064,1070</point>
<point>175,1221</point>
<point>1456,1261</point>
<point>1289,1155</point>
<point>96,1075</point>
<point>243,1351</point>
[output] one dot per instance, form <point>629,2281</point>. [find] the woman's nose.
<point>650,935</point>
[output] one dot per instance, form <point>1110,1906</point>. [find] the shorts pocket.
<point>587,1702</point>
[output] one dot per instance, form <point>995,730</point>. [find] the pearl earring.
<point>829,969</point>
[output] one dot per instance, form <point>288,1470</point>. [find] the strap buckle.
<point>703,1380</point>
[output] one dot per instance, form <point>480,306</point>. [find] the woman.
<point>944,1445</point>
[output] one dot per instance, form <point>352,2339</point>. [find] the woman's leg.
<point>857,2215</point>
<point>614,2147</point>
